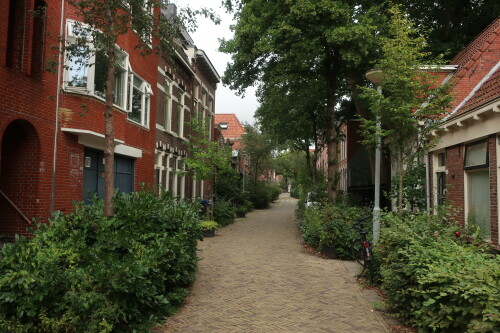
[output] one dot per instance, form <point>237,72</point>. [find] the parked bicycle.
<point>362,248</point>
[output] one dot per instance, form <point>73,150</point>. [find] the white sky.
<point>206,39</point>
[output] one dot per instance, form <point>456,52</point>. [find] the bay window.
<point>86,73</point>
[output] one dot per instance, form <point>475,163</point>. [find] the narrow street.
<point>254,276</point>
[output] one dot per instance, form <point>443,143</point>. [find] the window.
<point>441,188</point>
<point>180,114</point>
<point>86,72</point>
<point>167,107</point>
<point>139,101</point>
<point>15,37</point>
<point>38,38</point>
<point>476,155</point>
<point>478,186</point>
<point>100,75</point>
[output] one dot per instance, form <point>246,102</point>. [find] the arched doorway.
<point>19,173</point>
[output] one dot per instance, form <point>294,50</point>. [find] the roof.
<point>234,130</point>
<point>476,79</point>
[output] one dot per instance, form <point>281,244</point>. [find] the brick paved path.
<point>255,277</point>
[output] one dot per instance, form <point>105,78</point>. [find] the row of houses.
<point>52,123</point>
<point>462,170</point>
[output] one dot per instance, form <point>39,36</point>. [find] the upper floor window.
<point>180,114</point>
<point>86,72</point>
<point>37,45</point>
<point>15,34</point>
<point>167,106</point>
<point>139,102</point>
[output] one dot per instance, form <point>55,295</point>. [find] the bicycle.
<point>361,248</point>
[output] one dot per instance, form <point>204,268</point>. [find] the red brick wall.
<point>32,99</point>
<point>455,180</point>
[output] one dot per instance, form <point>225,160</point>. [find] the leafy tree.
<point>257,146</point>
<point>321,39</point>
<point>452,24</point>
<point>208,158</point>
<point>412,101</point>
<point>101,24</point>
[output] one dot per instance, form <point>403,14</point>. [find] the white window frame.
<point>90,69</point>
<point>181,109</point>
<point>167,106</point>
<point>145,90</point>
<point>437,169</point>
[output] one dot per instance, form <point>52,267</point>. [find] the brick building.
<point>52,124</point>
<point>463,167</point>
<point>186,89</point>
<point>232,130</point>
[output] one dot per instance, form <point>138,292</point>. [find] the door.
<point>93,174</point>
<point>479,200</point>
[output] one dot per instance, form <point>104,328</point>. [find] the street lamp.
<point>375,76</point>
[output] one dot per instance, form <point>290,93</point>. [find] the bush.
<point>88,273</point>
<point>223,212</point>
<point>331,224</point>
<point>208,226</point>
<point>259,195</point>
<point>437,282</point>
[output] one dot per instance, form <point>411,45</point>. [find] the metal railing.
<point>15,207</point>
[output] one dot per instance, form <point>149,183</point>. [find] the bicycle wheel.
<point>357,252</point>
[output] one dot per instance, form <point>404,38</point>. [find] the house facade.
<point>52,123</point>
<point>231,128</point>
<point>464,166</point>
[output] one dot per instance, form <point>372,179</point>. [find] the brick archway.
<point>19,175</point>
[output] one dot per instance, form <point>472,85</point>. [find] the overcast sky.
<point>206,39</point>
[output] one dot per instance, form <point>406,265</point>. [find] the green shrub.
<point>88,273</point>
<point>259,195</point>
<point>331,224</point>
<point>274,191</point>
<point>437,282</point>
<point>223,212</point>
<point>208,225</point>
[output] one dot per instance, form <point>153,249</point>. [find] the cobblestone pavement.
<point>254,276</point>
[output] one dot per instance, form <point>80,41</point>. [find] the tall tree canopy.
<point>314,38</point>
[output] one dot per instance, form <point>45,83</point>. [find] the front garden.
<point>438,276</point>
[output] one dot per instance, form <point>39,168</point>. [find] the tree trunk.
<point>330,72</point>
<point>400,185</point>
<point>109,143</point>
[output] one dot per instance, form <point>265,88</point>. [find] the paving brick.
<point>254,276</point>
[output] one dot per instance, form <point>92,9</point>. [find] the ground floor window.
<point>441,188</point>
<point>478,200</point>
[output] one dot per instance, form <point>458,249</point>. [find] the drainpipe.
<point>427,184</point>
<point>58,95</point>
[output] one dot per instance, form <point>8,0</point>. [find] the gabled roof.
<point>476,81</point>
<point>234,129</point>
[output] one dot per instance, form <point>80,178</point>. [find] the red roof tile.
<point>488,91</point>
<point>234,130</point>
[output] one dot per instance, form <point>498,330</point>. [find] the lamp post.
<point>375,77</point>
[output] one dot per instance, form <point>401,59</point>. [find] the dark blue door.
<point>93,174</point>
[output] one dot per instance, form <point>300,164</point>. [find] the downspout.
<point>427,180</point>
<point>58,95</point>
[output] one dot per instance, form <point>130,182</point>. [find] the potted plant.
<point>208,228</point>
<point>326,244</point>
<point>241,211</point>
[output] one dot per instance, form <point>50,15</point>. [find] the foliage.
<point>257,146</point>
<point>414,190</point>
<point>315,45</point>
<point>262,193</point>
<point>208,159</point>
<point>437,281</point>
<point>208,225</point>
<point>331,224</point>
<point>88,273</point>
<point>223,212</point>
<point>412,101</point>
<point>451,24</point>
